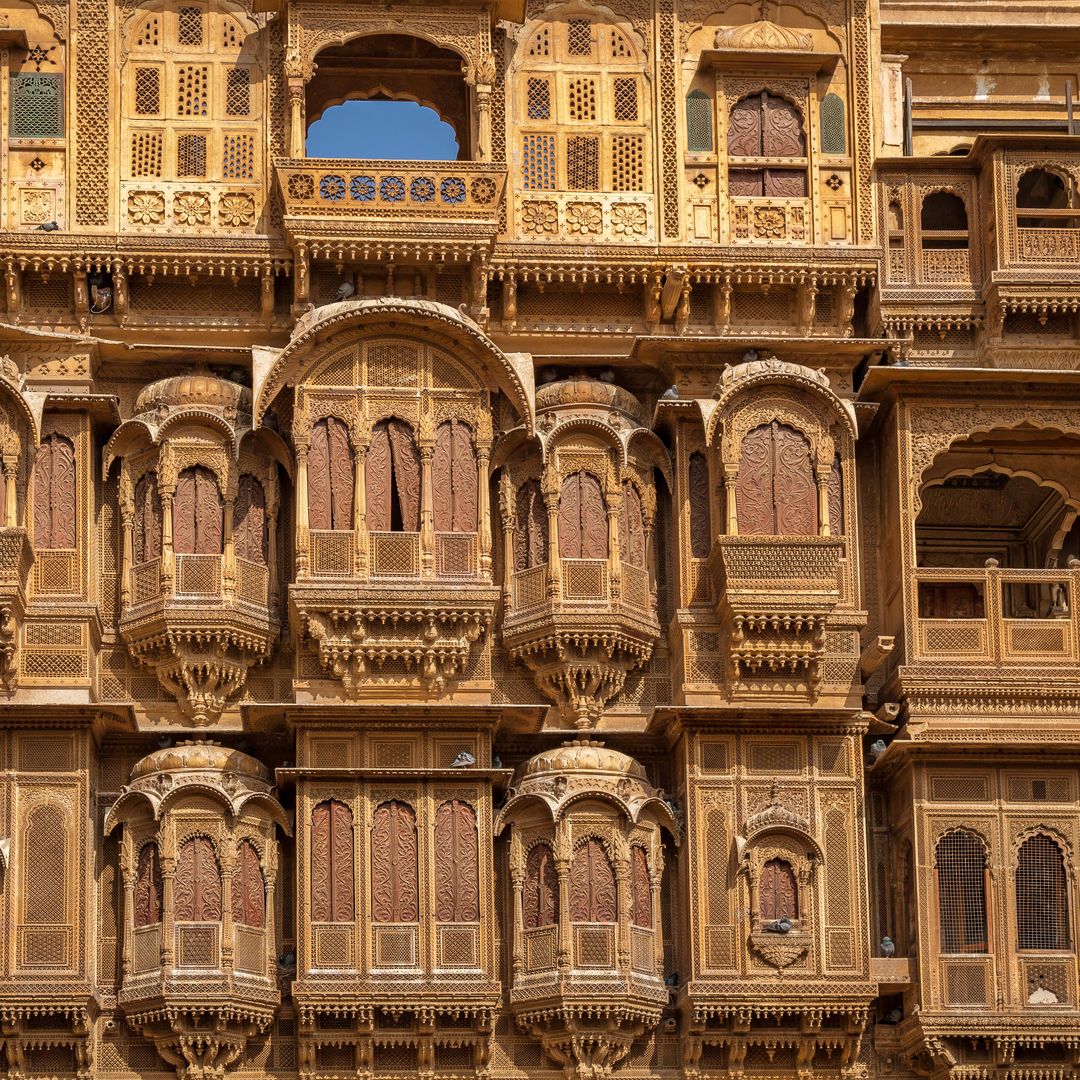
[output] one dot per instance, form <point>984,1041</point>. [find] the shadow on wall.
<point>396,130</point>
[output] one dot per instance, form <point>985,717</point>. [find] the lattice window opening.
<point>581,98</point>
<point>538,99</point>
<point>238,91</point>
<point>146,153</point>
<point>36,106</point>
<point>628,163</point>
<point>539,169</point>
<point>190,28</point>
<point>579,37</point>
<point>960,867</point>
<point>833,135</point>
<point>943,222</point>
<point>191,156</point>
<point>699,123</point>
<point>1042,896</point>
<point>583,163</point>
<point>147,91</point>
<point>238,156</point>
<point>625,105</point>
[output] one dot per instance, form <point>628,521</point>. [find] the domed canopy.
<point>197,389</point>
<point>197,755</point>
<point>586,391</point>
<point>583,755</point>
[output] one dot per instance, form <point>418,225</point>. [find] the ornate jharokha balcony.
<point>16,558</point>
<point>389,197</point>
<point>996,617</point>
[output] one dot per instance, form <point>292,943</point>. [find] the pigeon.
<point>783,925</point>
<point>344,290</point>
<point>672,979</point>
<point>165,742</point>
<point>877,748</point>
<point>48,226</point>
<point>670,394</point>
<point>888,946</point>
<point>894,1016</point>
<point>496,762</point>
<point>463,760</point>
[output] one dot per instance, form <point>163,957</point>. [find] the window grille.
<point>541,44</point>
<point>581,98</point>
<point>238,92</point>
<point>961,862</point>
<point>146,153</point>
<point>1042,896</point>
<point>147,91</point>
<point>189,26</point>
<point>627,163</point>
<point>230,34</point>
<point>191,156</point>
<point>832,125</point>
<point>625,94</point>
<point>238,157</point>
<point>149,35</point>
<point>538,162</point>
<point>699,125</point>
<point>579,37</point>
<point>583,163</point>
<point>620,47</point>
<point>191,86</point>
<point>538,104</point>
<point>37,110</point>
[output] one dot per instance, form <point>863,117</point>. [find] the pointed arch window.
<point>148,887</point>
<point>776,494</point>
<point>454,478</point>
<point>766,148</point>
<point>332,889</point>
<point>583,531</point>
<point>632,526</point>
<point>197,882</point>
<point>394,871</point>
<point>330,476</point>
<point>457,890</point>
<point>641,913</point>
<point>198,513</point>
<point>530,527</point>
<point>250,531</point>
<point>45,849</point>
<point>392,478</point>
<point>961,881</point>
<point>147,519</point>
<point>54,493</point>
<point>248,888</point>
<point>592,884</point>
<point>1042,896</point>
<point>778,892</point>
<point>540,902</point>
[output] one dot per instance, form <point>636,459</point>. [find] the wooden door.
<point>776,494</point>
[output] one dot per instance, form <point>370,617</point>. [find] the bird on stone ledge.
<point>463,760</point>
<point>888,946</point>
<point>783,925</point>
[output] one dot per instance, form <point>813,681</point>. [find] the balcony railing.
<point>198,576</point>
<point>585,583</point>
<point>404,190</point>
<point>995,615</point>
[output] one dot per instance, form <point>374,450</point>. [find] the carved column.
<point>614,505</point>
<point>168,926</point>
<point>11,491</point>
<point>623,901</point>
<point>360,506</point>
<point>120,288</point>
<point>427,513</point>
<point>509,302</point>
<point>731,523</point>
<point>167,560</point>
<point>721,298</point>
<point>266,296</point>
<point>508,516</point>
<point>129,870</point>
<point>656,873</point>
<point>561,854</point>
<point>822,476</point>
<point>517,884</point>
<point>551,504</point>
<point>269,926</point>
<point>271,559</point>
<point>483,109</point>
<point>228,562</point>
<point>126,557</point>
<point>228,864</point>
<point>296,119</point>
<point>301,509</point>
<point>483,509</point>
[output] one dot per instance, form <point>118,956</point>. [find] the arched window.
<point>961,881</point>
<point>454,478</point>
<point>45,847</point>
<point>833,136</point>
<point>540,902</point>
<point>1042,189</point>
<point>778,892</point>
<point>54,493</point>
<point>583,531</point>
<point>457,890</point>
<point>944,221</point>
<point>392,478</point>
<point>148,889</point>
<point>330,476</point>
<point>632,527</point>
<point>394,887</point>
<point>198,513</point>
<point>766,148</point>
<point>250,530</point>
<point>699,124</point>
<point>248,888</point>
<point>332,876</point>
<point>197,882</point>
<point>641,913</point>
<point>1042,896</point>
<point>776,494</point>
<point>700,527</point>
<point>592,884</point>
<point>530,527</point>
<point>147,519</point>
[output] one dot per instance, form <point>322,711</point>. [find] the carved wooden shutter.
<point>394,889</point>
<point>148,887</point>
<point>632,527</point>
<point>457,897</point>
<point>406,460</point>
<point>249,529</point>
<point>836,498</point>
<point>778,892</point>
<point>454,478</point>
<point>198,513</point>
<point>377,479</point>
<point>530,527</point>
<point>147,519</point>
<point>744,128</point>
<point>330,476</point>
<point>766,126</point>
<point>582,518</point>
<point>248,888</point>
<point>592,884</point>
<point>776,494</point>
<point>197,883</point>
<point>332,892</point>
<point>700,528</point>
<point>640,889</point>
<point>541,894</point>
<point>183,512</point>
<point>54,493</point>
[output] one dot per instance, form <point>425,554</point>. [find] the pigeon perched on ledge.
<point>463,760</point>
<point>888,946</point>
<point>783,925</point>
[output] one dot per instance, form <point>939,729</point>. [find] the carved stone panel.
<point>54,493</point>
<point>333,894</point>
<point>197,884</point>
<point>248,888</point>
<point>147,519</point>
<point>457,891</point>
<point>632,527</point>
<point>250,533</point>
<point>592,884</point>
<point>778,892</point>
<point>530,527</point>
<point>700,526</point>
<point>148,887</point>
<point>394,871</point>
<point>641,913</point>
<point>541,896</point>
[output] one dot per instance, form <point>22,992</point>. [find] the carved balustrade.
<point>770,221</point>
